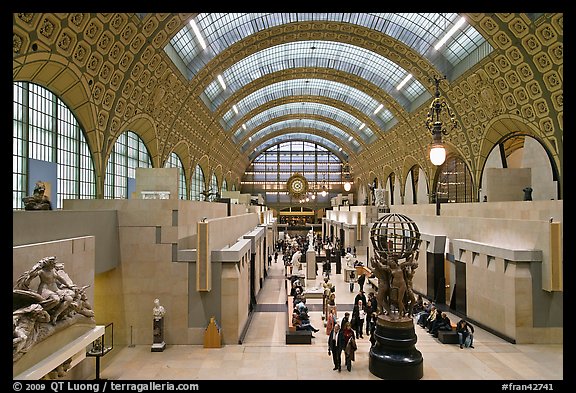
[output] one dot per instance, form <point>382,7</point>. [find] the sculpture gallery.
<point>55,303</point>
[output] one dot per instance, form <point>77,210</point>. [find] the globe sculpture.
<point>396,241</point>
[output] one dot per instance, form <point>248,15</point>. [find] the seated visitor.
<point>465,333</point>
<point>423,316</point>
<point>441,323</point>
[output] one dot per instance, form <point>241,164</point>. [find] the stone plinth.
<point>394,356</point>
<point>158,329</point>
<point>310,265</point>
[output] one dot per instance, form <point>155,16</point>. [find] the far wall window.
<point>128,154</point>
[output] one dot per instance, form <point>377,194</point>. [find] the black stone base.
<point>448,337</point>
<point>394,356</point>
<point>299,337</point>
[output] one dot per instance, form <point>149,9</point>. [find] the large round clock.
<point>297,185</point>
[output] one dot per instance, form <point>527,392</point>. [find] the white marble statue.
<point>380,197</point>
<point>349,258</point>
<point>158,310</point>
<point>296,266</point>
<point>311,240</point>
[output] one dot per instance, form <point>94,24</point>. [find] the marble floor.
<point>263,355</point>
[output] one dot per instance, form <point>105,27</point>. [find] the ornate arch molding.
<point>63,78</point>
<point>508,126</point>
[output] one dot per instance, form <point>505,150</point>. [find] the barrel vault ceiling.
<point>218,89</point>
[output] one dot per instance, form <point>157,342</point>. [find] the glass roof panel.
<point>462,45</point>
<point>307,87</point>
<point>284,141</point>
<point>311,108</point>
<point>355,60</point>
<point>307,123</point>
<point>419,31</point>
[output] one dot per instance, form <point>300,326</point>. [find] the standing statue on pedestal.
<point>311,239</point>
<point>296,266</point>
<point>380,197</point>
<point>158,327</point>
<point>373,188</point>
<point>396,241</point>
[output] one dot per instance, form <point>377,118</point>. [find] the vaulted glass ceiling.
<point>419,31</point>
<point>308,87</point>
<point>207,35</point>
<point>307,108</point>
<point>351,59</point>
<point>303,124</point>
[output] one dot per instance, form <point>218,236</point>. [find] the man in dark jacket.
<point>361,281</point>
<point>335,346</point>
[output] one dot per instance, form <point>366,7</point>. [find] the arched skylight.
<point>419,31</point>
<point>346,138</point>
<point>328,144</point>
<point>351,59</point>
<point>309,87</point>
<point>310,108</point>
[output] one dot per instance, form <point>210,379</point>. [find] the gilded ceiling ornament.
<point>488,96</point>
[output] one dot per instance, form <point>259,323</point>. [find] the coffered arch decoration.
<point>504,126</point>
<point>55,73</point>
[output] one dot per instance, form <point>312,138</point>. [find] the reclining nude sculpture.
<point>56,303</point>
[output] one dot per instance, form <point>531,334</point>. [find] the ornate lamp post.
<point>347,181</point>
<point>435,125</point>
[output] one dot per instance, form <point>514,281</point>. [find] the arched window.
<point>128,154</point>
<point>197,185</point>
<point>49,146</point>
<point>224,186</point>
<point>213,188</point>
<point>269,172</point>
<point>454,182</point>
<point>175,162</point>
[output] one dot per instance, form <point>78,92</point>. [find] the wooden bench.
<point>294,336</point>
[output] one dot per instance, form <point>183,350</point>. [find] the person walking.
<point>335,346</point>
<point>361,281</point>
<point>350,346</point>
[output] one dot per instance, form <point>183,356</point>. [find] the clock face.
<point>297,185</point>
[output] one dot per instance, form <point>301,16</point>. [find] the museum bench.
<point>448,336</point>
<point>294,336</point>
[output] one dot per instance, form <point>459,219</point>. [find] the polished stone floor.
<point>263,355</point>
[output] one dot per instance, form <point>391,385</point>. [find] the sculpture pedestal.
<point>158,328</point>
<point>394,356</point>
<point>311,265</point>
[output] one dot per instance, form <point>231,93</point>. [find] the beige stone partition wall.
<point>512,263</point>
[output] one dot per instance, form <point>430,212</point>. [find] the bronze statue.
<point>37,201</point>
